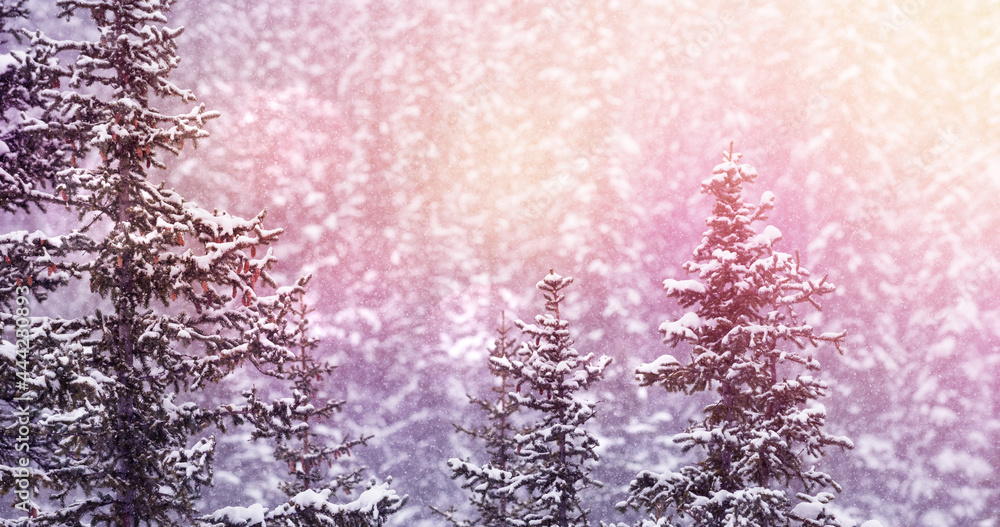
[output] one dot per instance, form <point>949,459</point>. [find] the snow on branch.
<point>309,507</point>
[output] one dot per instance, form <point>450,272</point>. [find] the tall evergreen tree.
<point>548,373</point>
<point>298,444</point>
<point>290,422</point>
<point>113,436</point>
<point>492,487</point>
<point>763,434</point>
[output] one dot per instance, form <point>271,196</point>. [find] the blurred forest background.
<point>431,160</point>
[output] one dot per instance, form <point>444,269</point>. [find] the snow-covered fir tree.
<point>764,434</point>
<point>112,434</point>
<point>24,74</point>
<point>548,374</point>
<point>289,423</point>
<point>28,161</point>
<point>493,486</point>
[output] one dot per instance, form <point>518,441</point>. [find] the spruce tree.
<point>289,422</point>
<point>763,435</point>
<point>548,373</point>
<point>492,487</point>
<point>178,292</point>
